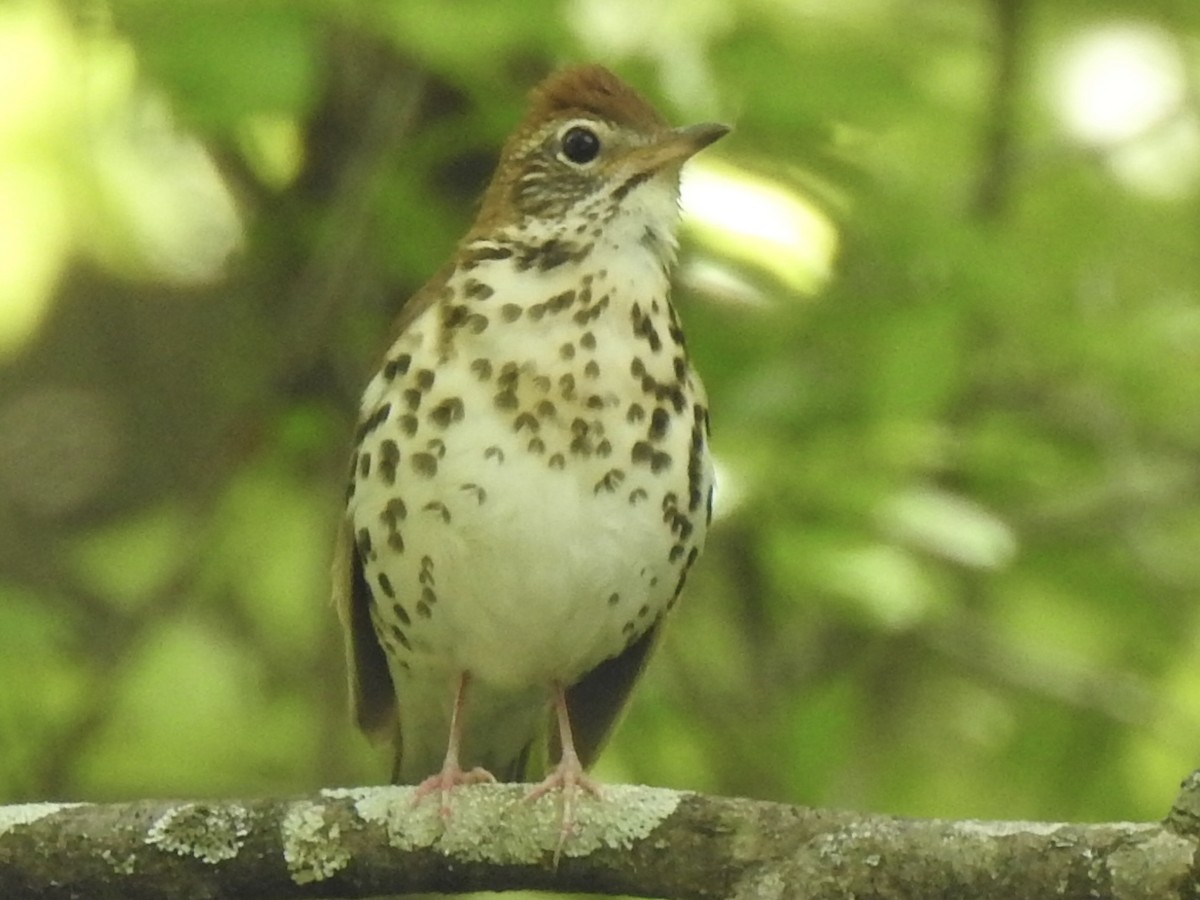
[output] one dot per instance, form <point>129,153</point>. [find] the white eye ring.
<point>579,144</point>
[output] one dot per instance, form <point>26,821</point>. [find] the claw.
<point>568,777</point>
<point>452,774</point>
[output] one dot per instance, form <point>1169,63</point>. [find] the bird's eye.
<point>580,145</point>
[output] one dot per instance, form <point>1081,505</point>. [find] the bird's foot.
<point>569,778</point>
<point>451,776</point>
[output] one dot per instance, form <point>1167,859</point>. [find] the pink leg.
<point>568,776</point>
<point>452,773</point>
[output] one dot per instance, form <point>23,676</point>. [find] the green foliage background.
<point>957,570</point>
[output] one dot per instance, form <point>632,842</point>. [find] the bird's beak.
<point>676,146</point>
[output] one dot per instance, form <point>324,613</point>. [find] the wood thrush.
<point>531,481</point>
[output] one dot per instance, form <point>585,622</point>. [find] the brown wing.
<point>418,303</point>
<point>595,702</point>
<point>372,696</point>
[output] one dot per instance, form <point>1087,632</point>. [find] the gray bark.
<point>648,842</point>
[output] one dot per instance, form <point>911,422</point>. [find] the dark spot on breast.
<point>394,512</point>
<point>545,409</point>
<point>363,543</point>
<point>412,399</point>
<point>676,553</point>
<point>592,369</point>
<point>401,637</point>
<point>373,421</point>
<point>425,379</point>
<point>680,368</point>
<point>475,255</point>
<point>440,508</point>
<point>636,496</point>
<point>590,313</point>
<point>567,351</point>
<point>424,464</point>
<point>635,414</point>
<point>642,452</point>
<point>385,584</point>
<point>643,328</point>
<point>401,613</point>
<point>557,461</point>
<point>510,312</point>
<point>408,424</point>
<point>604,448</point>
<point>389,456</point>
<point>477,290</point>
<point>509,373</point>
<point>588,341</point>
<point>537,312</point>
<point>695,469</point>
<point>472,488</point>
<point>364,465</point>
<point>610,482</point>
<point>482,368</point>
<point>447,412</point>
<point>537,446</point>
<point>613,599</point>
<point>526,420</point>
<point>395,541</point>
<point>595,401</point>
<point>477,323</point>
<point>546,256</point>
<point>506,399</point>
<point>660,421</point>
<point>397,366</point>
<point>494,452</point>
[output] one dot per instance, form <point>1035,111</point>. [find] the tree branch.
<point>362,842</point>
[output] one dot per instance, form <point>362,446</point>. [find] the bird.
<point>531,479</point>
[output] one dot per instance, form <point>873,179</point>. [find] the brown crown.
<point>590,90</point>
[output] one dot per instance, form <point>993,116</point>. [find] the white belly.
<point>524,520</point>
<point>517,572</point>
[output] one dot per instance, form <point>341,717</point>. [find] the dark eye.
<point>580,145</point>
